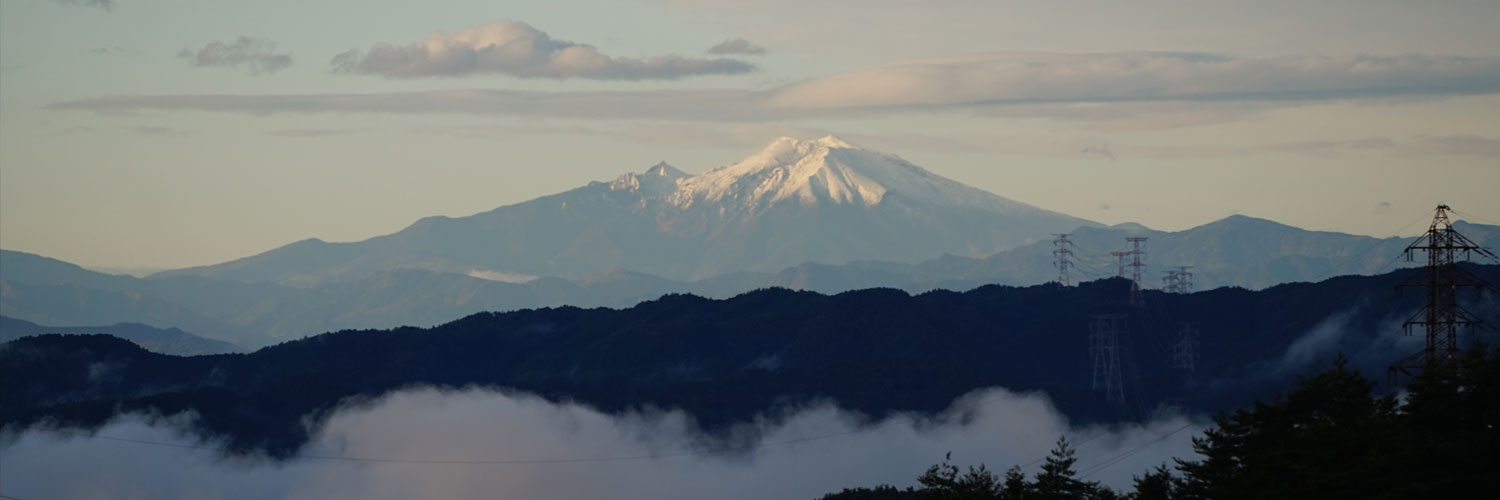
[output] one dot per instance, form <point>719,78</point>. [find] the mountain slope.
<point>166,341</point>
<point>724,361</point>
<point>1236,251</point>
<point>796,201</point>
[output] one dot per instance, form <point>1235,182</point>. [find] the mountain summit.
<point>826,170</point>
<point>823,200</point>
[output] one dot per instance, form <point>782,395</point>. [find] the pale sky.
<point>169,133</point>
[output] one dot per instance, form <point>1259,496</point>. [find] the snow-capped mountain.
<point>827,170</point>
<point>795,201</point>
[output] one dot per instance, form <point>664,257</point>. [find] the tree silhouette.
<point>943,482</point>
<point>1329,438</point>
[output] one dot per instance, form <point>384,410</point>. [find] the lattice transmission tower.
<point>1178,280</point>
<point>1185,350</point>
<point>1105,349</point>
<point>1441,317</point>
<point>1120,262</point>
<point>1064,255</point>
<point>1137,264</point>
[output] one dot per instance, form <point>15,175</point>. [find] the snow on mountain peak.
<point>664,170</point>
<point>833,142</point>
<point>659,180</point>
<point>787,169</point>
<point>807,172</point>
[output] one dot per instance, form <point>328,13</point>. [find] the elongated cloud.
<point>737,46</point>
<point>1001,78</point>
<point>107,5</point>
<point>258,55</point>
<point>1000,84</point>
<point>477,444</point>
<point>517,49</point>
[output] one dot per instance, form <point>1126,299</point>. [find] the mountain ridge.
<point>795,201</point>
<point>172,341</point>
<point>874,351</point>
<point>256,314</point>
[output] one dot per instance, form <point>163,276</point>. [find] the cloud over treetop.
<point>517,49</point>
<point>426,443</point>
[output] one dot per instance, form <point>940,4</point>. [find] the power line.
<point>1107,463</point>
<point>1378,242</point>
<point>1077,446</point>
<point>1468,215</point>
<point>543,461</point>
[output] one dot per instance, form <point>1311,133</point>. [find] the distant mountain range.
<point>1237,251</point>
<point>818,215</point>
<point>166,341</point>
<point>873,351</point>
<point>795,201</point>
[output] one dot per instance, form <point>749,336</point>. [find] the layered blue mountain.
<point>873,351</point>
<point>165,341</point>
<point>1237,251</point>
<point>795,201</point>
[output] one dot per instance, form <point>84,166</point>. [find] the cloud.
<point>517,49</point>
<point>1101,150</point>
<point>155,131</point>
<point>107,5</point>
<point>1455,145</point>
<point>256,54</point>
<point>1422,146</point>
<point>107,50</point>
<point>1315,345</point>
<point>1007,77</point>
<point>501,276</point>
<point>647,454</point>
<point>686,105</point>
<point>1119,86</point>
<point>737,46</point>
<point>310,132</point>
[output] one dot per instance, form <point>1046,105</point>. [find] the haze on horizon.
<point>141,133</point>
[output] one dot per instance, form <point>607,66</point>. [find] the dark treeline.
<point>1330,438</point>
<point>874,352</point>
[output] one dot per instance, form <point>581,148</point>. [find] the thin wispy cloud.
<point>107,5</point>
<point>737,46</point>
<point>517,49</point>
<point>107,50</point>
<point>310,132</point>
<point>1071,87</point>
<point>153,130</point>
<point>1007,77</point>
<point>257,55</point>
<point>1457,145</point>
<point>1099,150</point>
<point>1422,146</point>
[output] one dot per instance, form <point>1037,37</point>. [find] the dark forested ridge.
<point>873,351</point>
<point>162,340</point>
<point>1331,437</point>
<point>1236,251</point>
